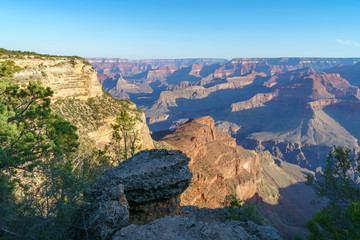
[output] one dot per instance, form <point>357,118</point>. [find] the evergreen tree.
<point>125,136</point>
<point>341,218</point>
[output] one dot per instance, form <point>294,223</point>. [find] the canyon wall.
<point>221,168</point>
<point>78,96</point>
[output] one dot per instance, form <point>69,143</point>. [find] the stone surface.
<point>106,213</point>
<point>78,96</point>
<point>180,227</point>
<point>220,167</point>
<point>285,198</point>
<point>67,77</point>
<point>146,212</point>
<point>153,181</point>
<point>149,175</point>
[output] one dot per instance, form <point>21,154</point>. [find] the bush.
<point>8,68</point>
<point>239,210</point>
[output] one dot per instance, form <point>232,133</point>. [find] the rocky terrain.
<point>141,189</point>
<point>130,67</point>
<point>296,108</point>
<point>78,96</point>
<point>221,168</point>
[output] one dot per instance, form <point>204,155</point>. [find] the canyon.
<point>252,128</point>
<point>296,108</point>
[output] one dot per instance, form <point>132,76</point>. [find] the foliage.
<point>8,68</point>
<point>43,168</point>
<point>125,136</point>
<point>88,162</point>
<point>22,53</point>
<point>337,183</point>
<point>4,53</point>
<point>239,210</point>
<point>341,218</point>
<point>28,129</point>
<point>40,183</point>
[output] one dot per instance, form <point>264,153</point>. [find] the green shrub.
<point>8,68</point>
<point>239,210</point>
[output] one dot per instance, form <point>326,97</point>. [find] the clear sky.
<point>138,29</point>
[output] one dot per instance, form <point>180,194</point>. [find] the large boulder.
<point>153,181</point>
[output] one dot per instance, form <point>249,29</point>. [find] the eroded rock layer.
<point>219,166</point>
<point>78,96</point>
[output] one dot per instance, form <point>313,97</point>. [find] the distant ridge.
<point>179,62</point>
<point>297,60</point>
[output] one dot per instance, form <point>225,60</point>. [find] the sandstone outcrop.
<point>78,96</point>
<point>67,77</point>
<point>219,166</point>
<point>257,101</point>
<point>153,181</point>
<point>271,182</point>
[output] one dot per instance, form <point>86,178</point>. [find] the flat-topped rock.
<point>149,175</point>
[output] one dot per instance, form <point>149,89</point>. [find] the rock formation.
<point>153,181</point>
<point>147,184</point>
<point>291,112</point>
<point>67,77</point>
<point>285,105</point>
<point>285,199</point>
<point>219,166</point>
<point>106,213</point>
<point>78,96</point>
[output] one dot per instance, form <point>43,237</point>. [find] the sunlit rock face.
<point>219,166</point>
<point>67,77</point>
<point>78,96</point>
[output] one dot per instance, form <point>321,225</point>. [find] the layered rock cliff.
<point>219,166</point>
<point>78,96</point>
<point>222,168</point>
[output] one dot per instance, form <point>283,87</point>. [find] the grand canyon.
<point>180,120</point>
<point>253,127</point>
<point>248,128</point>
<point>296,108</point>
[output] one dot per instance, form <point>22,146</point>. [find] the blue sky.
<point>182,29</point>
